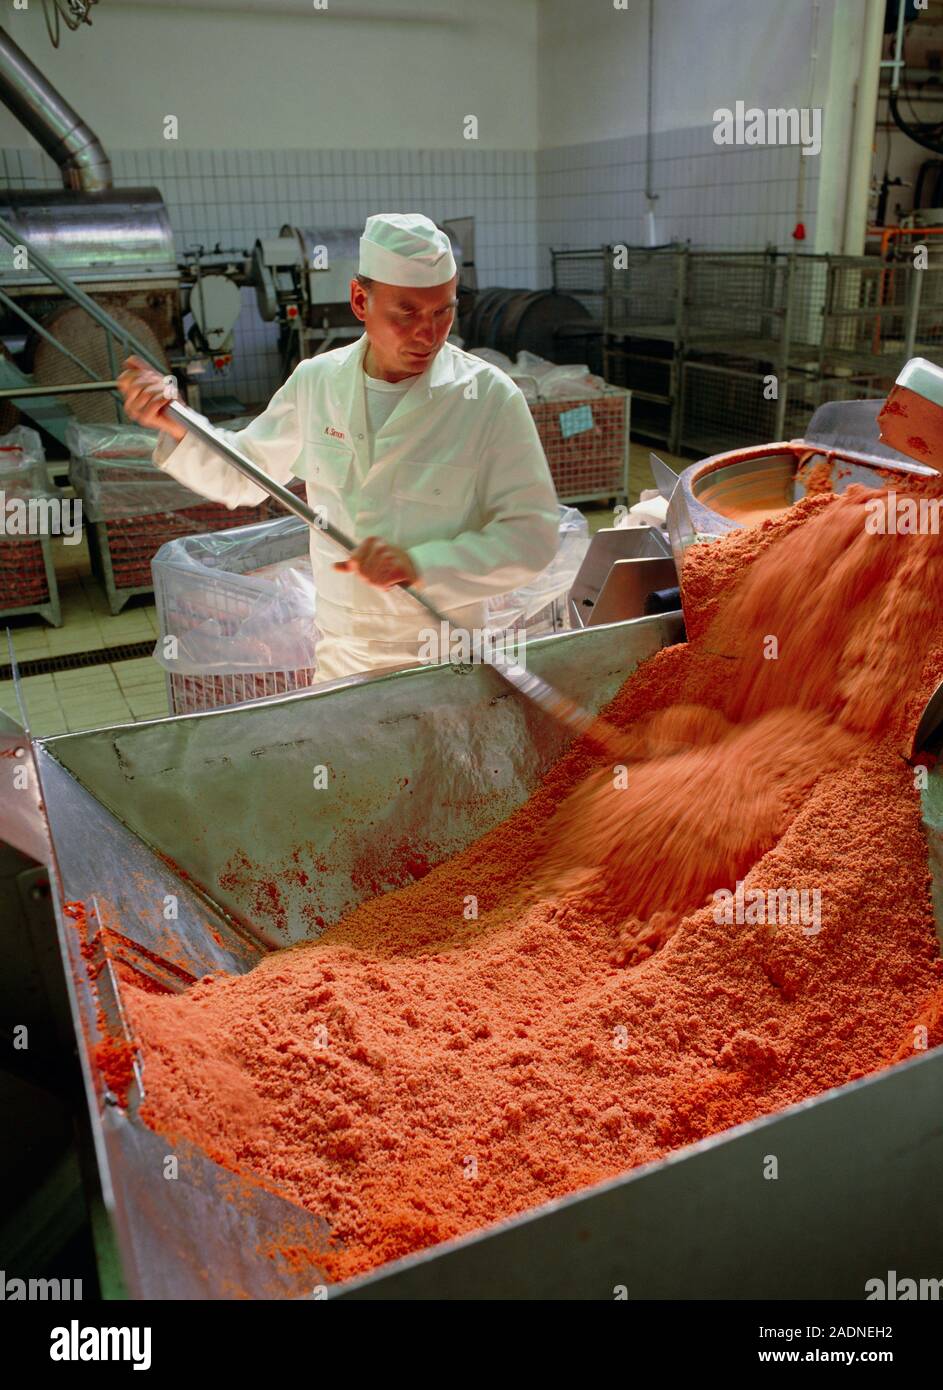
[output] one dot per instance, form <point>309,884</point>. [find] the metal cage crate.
<point>725,402</point>
<point>586,442</point>
<point>132,507</point>
<point>582,274</point>
<point>121,548</point>
<point>28,579</point>
<point>27,567</point>
<point>645,291</point>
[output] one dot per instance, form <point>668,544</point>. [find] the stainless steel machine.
<point>140,811</point>
<point>712,496</point>
<point>115,244</point>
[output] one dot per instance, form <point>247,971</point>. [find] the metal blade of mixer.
<point>928,735</point>
<point>665,478</point>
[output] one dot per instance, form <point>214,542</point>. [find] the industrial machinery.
<point>716,495</point>
<point>116,245</point>
<point>302,280</point>
<point>676,1228</point>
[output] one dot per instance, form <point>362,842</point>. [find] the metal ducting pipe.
<point>52,121</point>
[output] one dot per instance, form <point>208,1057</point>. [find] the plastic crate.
<point>234,600</point>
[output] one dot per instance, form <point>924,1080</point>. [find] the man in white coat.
<point>426,455</point>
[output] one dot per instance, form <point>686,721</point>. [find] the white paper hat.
<point>405,248</point>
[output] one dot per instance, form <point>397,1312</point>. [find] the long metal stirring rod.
<point>552,702</point>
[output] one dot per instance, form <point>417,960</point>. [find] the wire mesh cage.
<point>724,405</point>
<point>582,274</point>
<point>731,296</point>
<point>645,291</point>
<point>28,579</point>
<point>806,394</point>
<point>913,255</point>
<point>586,442</point>
<point>121,548</point>
<point>132,507</point>
<point>735,401</point>
<point>866,310</point>
<point>697,348</point>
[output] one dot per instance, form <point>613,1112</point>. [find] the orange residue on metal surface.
<point>421,1071</point>
<point>913,425</point>
<point>815,477</point>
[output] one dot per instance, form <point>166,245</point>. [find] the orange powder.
<point>815,477</point>
<point>414,1075</point>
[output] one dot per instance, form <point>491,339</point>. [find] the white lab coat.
<point>459,480</point>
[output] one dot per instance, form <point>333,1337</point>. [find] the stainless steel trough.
<point>140,812</point>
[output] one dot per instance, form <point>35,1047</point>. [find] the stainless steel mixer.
<point>139,812</point>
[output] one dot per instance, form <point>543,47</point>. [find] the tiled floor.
<point>126,691</point>
<point>116,693</point>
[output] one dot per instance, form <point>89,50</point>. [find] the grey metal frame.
<point>809,308</point>
<point>51,610</point>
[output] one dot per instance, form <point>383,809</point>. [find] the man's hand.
<point>147,395</point>
<point>380,564</point>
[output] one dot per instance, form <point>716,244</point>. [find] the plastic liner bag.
<point>528,386</point>
<point>116,441</point>
<point>238,601</point>
<point>23,465</point>
<point>497,359</point>
<point>112,472</point>
<point>23,480</point>
<point>21,450</point>
<point>541,380</point>
<point>570,383</point>
<point>533,606</point>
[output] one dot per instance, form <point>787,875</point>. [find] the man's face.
<point>406,326</point>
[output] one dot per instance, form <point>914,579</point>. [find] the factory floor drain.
<point>74,661</point>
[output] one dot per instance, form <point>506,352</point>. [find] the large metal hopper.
<point>138,813</point>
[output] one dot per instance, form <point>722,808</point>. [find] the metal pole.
<point>897,62</point>
<point>14,392</point>
<point>44,332</point>
<point>779,423</point>
<point>913,310</point>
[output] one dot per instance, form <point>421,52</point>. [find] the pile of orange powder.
<point>413,1075</point>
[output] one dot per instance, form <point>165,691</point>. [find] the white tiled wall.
<point>717,198</point>
<point>233,197</point>
<point>523,202</point>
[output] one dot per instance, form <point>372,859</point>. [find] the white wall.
<point>277,74</point>
<point>592,95</point>
<point>593,60</point>
<point>318,118</point>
